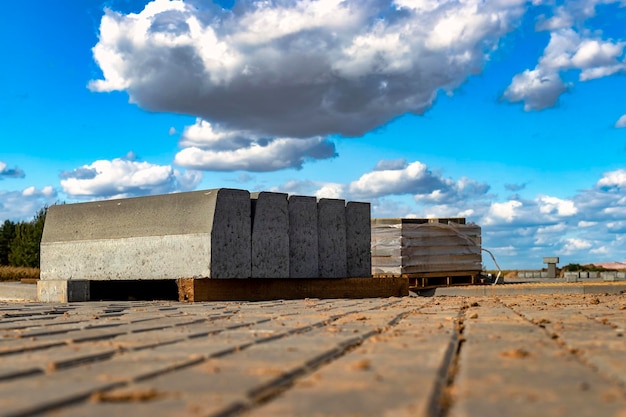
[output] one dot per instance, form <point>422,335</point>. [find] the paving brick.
<point>510,366</point>
<point>588,326</point>
<point>246,375</point>
<point>518,355</point>
<point>404,365</point>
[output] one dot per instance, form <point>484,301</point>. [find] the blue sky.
<point>506,112</point>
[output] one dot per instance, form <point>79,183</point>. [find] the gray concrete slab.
<point>16,291</point>
<point>303,237</point>
<point>358,239</point>
<point>202,233</point>
<point>270,235</point>
<point>57,290</point>
<point>613,276</point>
<point>551,260</point>
<point>331,229</point>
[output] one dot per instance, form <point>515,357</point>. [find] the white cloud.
<point>331,190</point>
<point>387,164</point>
<point>207,136</point>
<point>576,244</point>
<point>447,210</point>
<point>454,192</point>
<point>584,223</point>
<point>209,147</point>
<point>506,211</point>
<point>298,69</point>
<point>414,178</point>
<point>545,235</point>
<point>567,50</point>
<point>598,59</point>
<point>570,13</point>
<point>538,89</point>
<point>6,172</point>
<point>562,208</point>
<point>436,196</point>
<point>23,205</point>
<point>386,207</point>
<point>613,179</point>
<point>47,192</point>
<point>587,227</point>
<point>298,187</point>
<point>621,122</point>
<point>122,177</point>
<point>602,250</point>
<point>562,19</point>
<point>259,156</point>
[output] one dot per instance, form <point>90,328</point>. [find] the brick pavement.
<point>513,355</point>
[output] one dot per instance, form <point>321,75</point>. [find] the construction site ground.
<point>522,354</point>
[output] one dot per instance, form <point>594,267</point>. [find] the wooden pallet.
<point>438,279</point>
<point>263,289</point>
<point>245,289</point>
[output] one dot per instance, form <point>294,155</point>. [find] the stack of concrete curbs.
<point>221,234</point>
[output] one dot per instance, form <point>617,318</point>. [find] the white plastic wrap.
<point>410,246</point>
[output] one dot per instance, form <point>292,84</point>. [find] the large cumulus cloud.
<point>273,79</point>
<point>298,69</point>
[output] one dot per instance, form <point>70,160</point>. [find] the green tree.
<point>24,249</point>
<point>7,234</point>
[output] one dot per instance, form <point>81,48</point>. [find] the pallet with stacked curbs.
<point>428,252</point>
<point>220,244</point>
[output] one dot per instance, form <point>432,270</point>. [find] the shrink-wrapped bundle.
<point>417,246</point>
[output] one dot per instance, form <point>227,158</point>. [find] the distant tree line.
<point>589,268</point>
<point>19,242</point>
